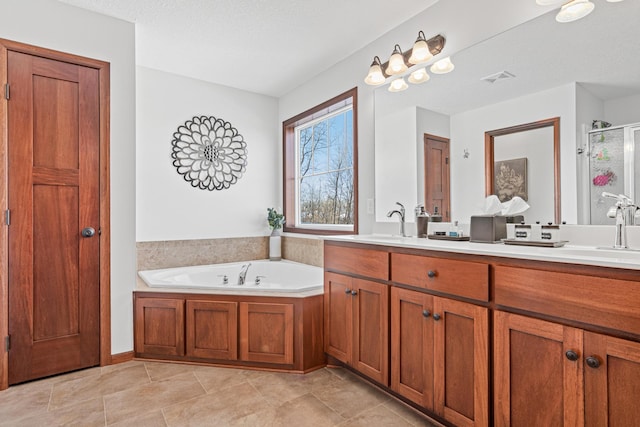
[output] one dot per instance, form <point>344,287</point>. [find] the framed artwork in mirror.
<point>510,179</point>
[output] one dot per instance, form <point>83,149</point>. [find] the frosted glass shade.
<point>398,85</point>
<point>375,76</point>
<point>420,52</point>
<point>419,76</point>
<point>443,66</point>
<point>574,10</point>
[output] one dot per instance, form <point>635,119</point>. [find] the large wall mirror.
<point>578,72</point>
<point>524,161</point>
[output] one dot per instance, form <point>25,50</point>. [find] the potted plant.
<point>276,221</point>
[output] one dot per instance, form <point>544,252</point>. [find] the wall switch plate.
<point>370,209</point>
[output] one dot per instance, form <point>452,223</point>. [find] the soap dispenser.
<point>422,221</point>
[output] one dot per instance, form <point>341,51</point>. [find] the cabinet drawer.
<point>363,262</point>
<point>609,303</point>
<point>462,278</point>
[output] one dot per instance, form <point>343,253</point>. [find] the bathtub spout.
<point>242,277</point>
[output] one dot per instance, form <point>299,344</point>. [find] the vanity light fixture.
<point>574,10</point>
<point>398,85</point>
<point>443,66</point>
<point>413,60</point>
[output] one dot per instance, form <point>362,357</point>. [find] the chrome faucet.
<point>242,277</point>
<point>400,216</point>
<point>625,213</point>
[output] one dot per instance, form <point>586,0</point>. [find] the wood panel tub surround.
<point>273,333</point>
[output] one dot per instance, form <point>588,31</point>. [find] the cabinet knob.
<point>572,355</point>
<point>347,291</point>
<point>354,292</point>
<point>436,317</point>
<point>426,313</point>
<point>431,274</point>
<point>593,362</point>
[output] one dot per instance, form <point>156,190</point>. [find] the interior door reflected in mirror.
<point>524,161</point>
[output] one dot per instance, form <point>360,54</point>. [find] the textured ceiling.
<point>263,46</point>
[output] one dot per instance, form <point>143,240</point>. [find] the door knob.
<point>436,317</point>
<point>347,291</point>
<point>431,274</point>
<point>88,232</point>
<point>593,362</point>
<point>354,292</point>
<point>572,355</point>
<point>426,313</point>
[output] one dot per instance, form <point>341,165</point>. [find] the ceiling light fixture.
<point>413,60</point>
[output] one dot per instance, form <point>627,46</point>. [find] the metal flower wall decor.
<point>209,153</point>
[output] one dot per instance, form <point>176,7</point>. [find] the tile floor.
<point>143,394</point>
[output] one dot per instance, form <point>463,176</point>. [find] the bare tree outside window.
<point>326,190</point>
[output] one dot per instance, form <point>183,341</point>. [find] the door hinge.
<point>446,160</point>
<point>7,343</point>
<point>7,217</point>
<point>6,91</point>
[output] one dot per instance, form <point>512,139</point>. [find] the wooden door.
<point>54,193</point>
<point>371,329</point>
<point>436,175</point>
<point>212,329</point>
<point>159,326</point>
<point>412,346</point>
<point>266,332</point>
<point>338,315</point>
<point>538,373</point>
<point>461,341</point>
<point>612,381</point>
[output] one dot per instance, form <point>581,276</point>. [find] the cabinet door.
<point>412,345</point>
<point>266,332</point>
<point>212,329</point>
<point>371,329</point>
<point>338,323</point>
<point>538,373</point>
<point>159,326</point>
<point>612,381</point>
<point>461,336</point>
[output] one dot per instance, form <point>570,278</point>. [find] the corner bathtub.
<point>285,277</point>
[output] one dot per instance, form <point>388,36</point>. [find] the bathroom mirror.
<point>516,163</point>
<point>580,72</point>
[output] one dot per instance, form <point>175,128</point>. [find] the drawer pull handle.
<point>347,291</point>
<point>426,313</point>
<point>572,355</point>
<point>593,362</point>
<point>436,317</point>
<point>354,292</point>
<point>431,274</point>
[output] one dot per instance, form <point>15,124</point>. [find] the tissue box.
<point>488,228</point>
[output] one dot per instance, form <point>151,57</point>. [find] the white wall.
<point>622,111</point>
<point>53,25</point>
<point>168,207</point>
<point>467,131</point>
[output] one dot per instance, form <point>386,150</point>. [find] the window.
<point>320,168</point>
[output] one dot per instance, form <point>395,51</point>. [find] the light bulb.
<point>420,52</point>
<point>396,62</point>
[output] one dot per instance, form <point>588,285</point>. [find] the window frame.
<point>289,166</point>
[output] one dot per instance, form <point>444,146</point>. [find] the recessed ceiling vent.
<point>498,77</point>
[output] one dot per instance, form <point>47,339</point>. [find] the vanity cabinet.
<point>357,324</point>
<point>439,345</point>
<point>237,330</point>
<point>551,373</point>
<point>356,307</point>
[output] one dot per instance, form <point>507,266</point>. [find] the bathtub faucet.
<point>243,274</point>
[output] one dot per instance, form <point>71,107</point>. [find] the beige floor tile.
<point>89,413</point>
<point>86,388</point>
<point>303,411</point>
<point>351,396</point>
<point>154,395</point>
<point>215,379</point>
<point>378,416</point>
<point>24,400</point>
<point>217,409</point>
<point>160,371</point>
<point>150,419</point>
<point>278,388</point>
<point>411,415</point>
